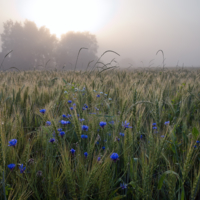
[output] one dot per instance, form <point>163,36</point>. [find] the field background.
<point>160,163</point>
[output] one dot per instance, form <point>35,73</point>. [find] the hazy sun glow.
<point>61,16</point>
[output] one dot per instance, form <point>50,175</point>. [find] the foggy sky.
<point>134,29</point>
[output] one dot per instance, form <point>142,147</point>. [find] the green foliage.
<point>160,163</point>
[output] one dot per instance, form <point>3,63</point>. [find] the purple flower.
<point>52,140</point>
<point>85,128</point>
<point>162,136</point>
<point>98,95</point>
<point>114,157</point>
<point>86,154</point>
<point>122,134</point>
<point>13,142</point>
<point>11,166</point>
<point>167,122</point>
<point>70,101</point>
<point>154,124</point>
<point>84,136</point>
<point>43,111</point>
<point>22,169</point>
<point>126,125</point>
<point>72,151</point>
<point>71,108</point>
<point>123,186</point>
<point>62,133</point>
<point>99,158</point>
<point>102,124</point>
<point>48,123</point>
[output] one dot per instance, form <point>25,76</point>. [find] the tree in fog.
<point>69,46</point>
<point>32,46</point>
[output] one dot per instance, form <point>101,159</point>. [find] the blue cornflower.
<point>99,158</point>
<point>22,169</point>
<point>102,124</point>
<point>69,116</point>
<point>70,101</point>
<point>103,148</point>
<point>86,154</point>
<point>43,111</point>
<point>62,133</point>
<point>13,142</point>
<point>48,123</point>
<point>141,136</point>
<point>126,125</point>
<point>52,140</point>
<point>64,116</point>
<point>84,136</point>
<point>71,108</point>
<point>167,122</point>
<point>154,124</point>
<point>112,122</point>
<point>11,166</point>
<point>63,122</point>
<point>155,127</point>
<point>83,108</point>
<point>96,108</point>
<point>74,104</point>
<point>122,134</point>
<point>97,142</point>
<point>72,151</point>
<point>195,146</point>
<point>114,157</point>
<point>162,136</point>
<point>59,129</point>
<point>123,186</point>
<point>81,120</point>
<point>85,128</point>
<point>85,105</point>
<point>198,142</point>
<point>98,95</point>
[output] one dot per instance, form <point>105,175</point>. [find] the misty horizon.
<point>135,30</point>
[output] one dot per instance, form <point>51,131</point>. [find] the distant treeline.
<point>36,48</point>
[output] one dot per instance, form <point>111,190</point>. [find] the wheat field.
<point>118,134</point>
